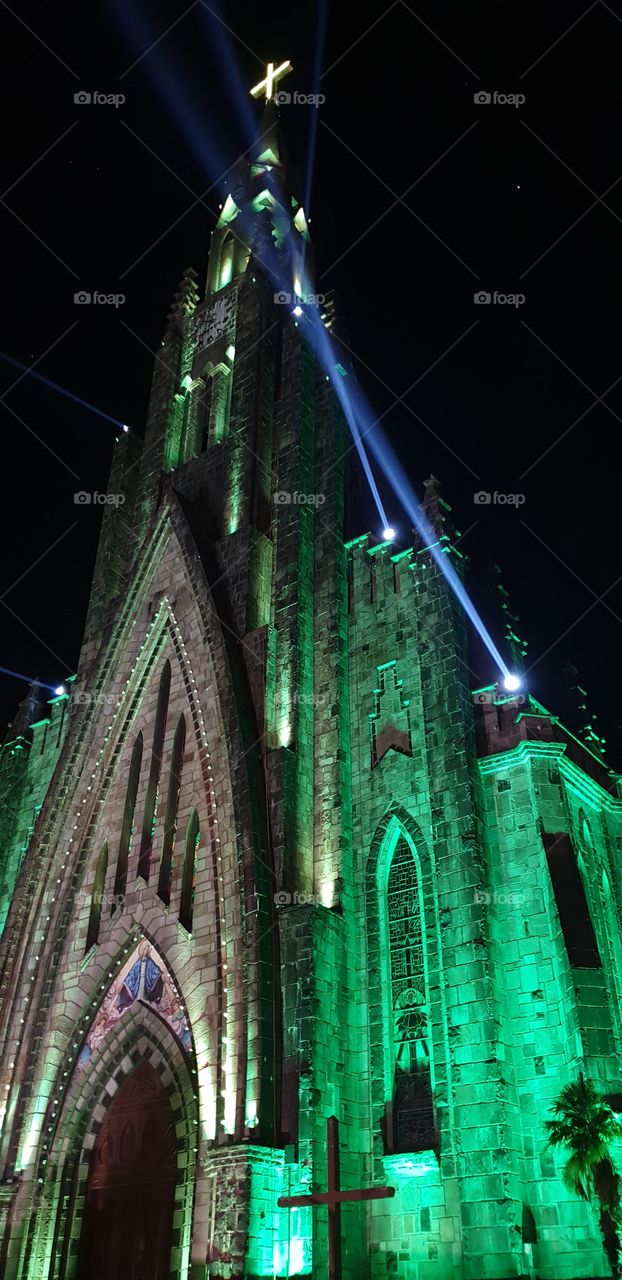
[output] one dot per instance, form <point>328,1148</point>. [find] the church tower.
<point>195,799</point>
<point>272,860</point>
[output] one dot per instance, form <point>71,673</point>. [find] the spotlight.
<point>297,311</point>
<point>511,683</point>
<point>125,426</point>
<point>389,534</point>
<point>60,690</point>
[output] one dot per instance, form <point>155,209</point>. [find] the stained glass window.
<point>413,1117</point>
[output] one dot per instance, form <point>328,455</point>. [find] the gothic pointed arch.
<point>150,629</point>
<point>398,933</point>
<point>141,1046</point>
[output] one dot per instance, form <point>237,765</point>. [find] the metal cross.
<point>334,1198</point>
<point>273,75</point>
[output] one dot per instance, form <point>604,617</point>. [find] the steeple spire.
<point>262,214</point>
<point>587,726</point>
<point>517,647</point>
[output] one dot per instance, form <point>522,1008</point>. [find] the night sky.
<point>421,197</point>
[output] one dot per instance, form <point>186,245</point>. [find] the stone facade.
<point>330,868</point>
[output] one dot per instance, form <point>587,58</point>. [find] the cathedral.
<point>302,934</point>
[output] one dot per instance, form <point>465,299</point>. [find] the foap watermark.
<point>283,899</point>
<point>86,98</point>
<point>484,299</point>
<point>497,99</point>
<point>297,99</point>
<point>284,298</point>
<point>302,699</point>
<point>83,698</point>
<point>296,499</point>
<point>498,899</point>
<point>96,499</point>
<point>112,900</point>
<point>488,697</point>
<point>84,298</point>
<point>496,499</point>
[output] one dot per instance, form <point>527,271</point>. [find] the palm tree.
<point>585,1123</point>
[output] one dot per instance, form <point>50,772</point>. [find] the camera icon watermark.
<point>296,499</point>
<point>84,298</point>
<point>499,899</point>
<point>493,696</point>
<point>284,899</point>
<point>486,499</point>
<point>483,99</point>
<point>284,99</point>
<point>284,298</point>
<point>83,98</point>
<point>112,900</point>
<point>482,298</point>
<point>84,698</point>
<point>84,499</point>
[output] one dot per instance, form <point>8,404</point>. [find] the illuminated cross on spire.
<point>273,75</point>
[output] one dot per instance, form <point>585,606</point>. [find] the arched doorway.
<point>128,1215</point>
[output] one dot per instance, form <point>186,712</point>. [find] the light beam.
<point>54,386</point>
<point>17,675</point>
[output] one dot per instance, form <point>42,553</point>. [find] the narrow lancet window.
<point>153,785</point>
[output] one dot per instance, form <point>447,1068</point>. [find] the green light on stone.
<point>226,265</point>
<point>232,519</point>
<point>292,1265</point>
<point>229,211</point>
<point>283,707</point>
<point>326,893</point>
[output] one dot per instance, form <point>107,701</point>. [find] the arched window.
<point>410,1121</point>
<point>184,424</point>
<point>204,414</point>
<point>153,785</point>
<point>127,827</point>
<point>97,899</point>
<point>612,926</point>
<point>191,854</point>
<point>226,263</point>
<point>170,818</point>
<point>571,902</point>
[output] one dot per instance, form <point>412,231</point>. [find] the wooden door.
<point>128,1214</point>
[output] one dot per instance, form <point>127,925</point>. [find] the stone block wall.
<point>558,1020</point>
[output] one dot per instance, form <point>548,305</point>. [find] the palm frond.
<point>585,1124</point>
